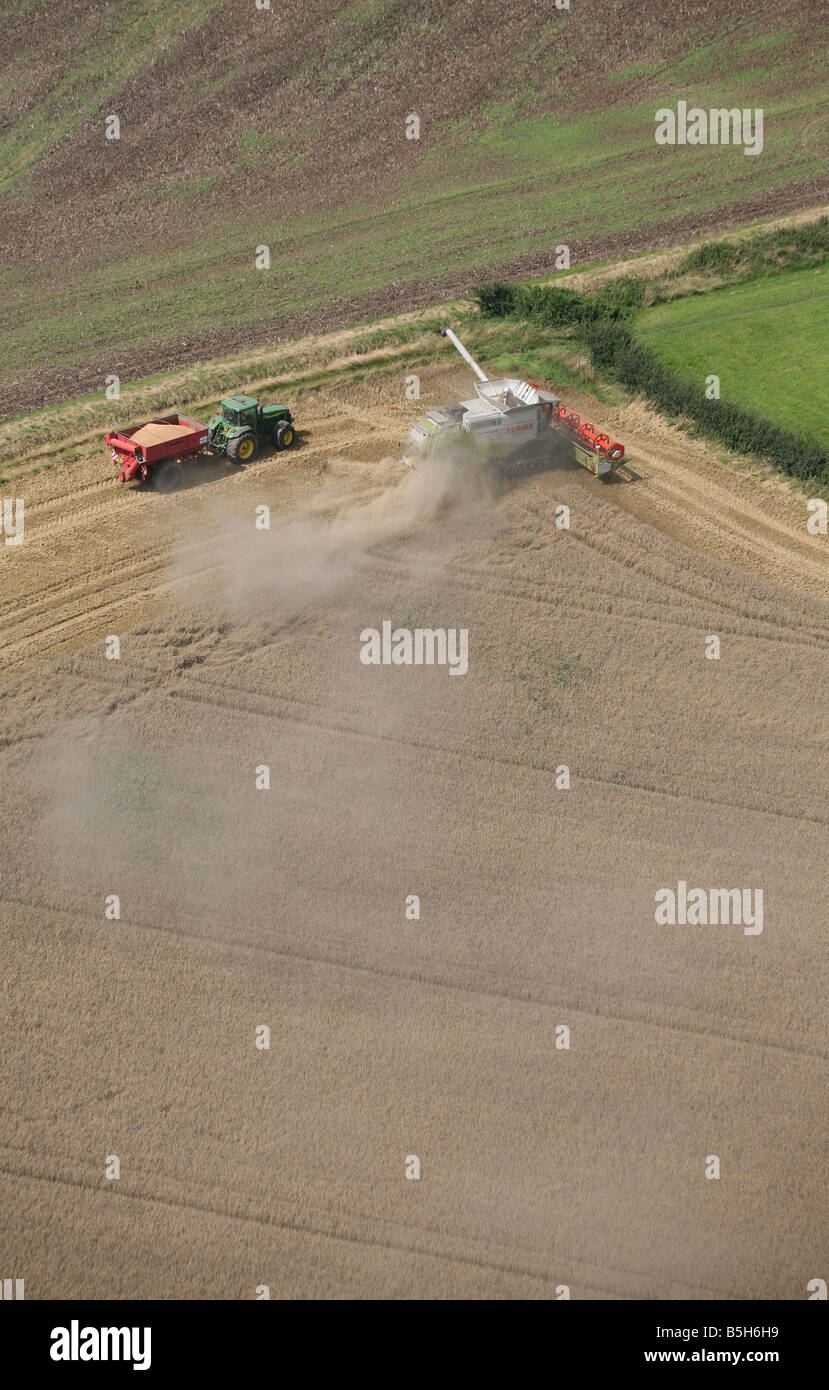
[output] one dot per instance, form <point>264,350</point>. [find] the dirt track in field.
<point>389,1037</point>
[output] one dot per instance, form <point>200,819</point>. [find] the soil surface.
<point>393,1037</point>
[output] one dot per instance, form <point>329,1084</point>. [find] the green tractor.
<point>244,426</point>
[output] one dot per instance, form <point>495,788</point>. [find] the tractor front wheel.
<point>241,448</point>
<point>284,434</point>
<point>168,476</point>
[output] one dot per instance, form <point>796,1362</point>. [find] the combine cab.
<point>514,421</point>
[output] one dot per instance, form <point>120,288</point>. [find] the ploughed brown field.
<point>389,1037</point>
<point>242,128</point>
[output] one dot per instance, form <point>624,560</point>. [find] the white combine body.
<point>508,417</point>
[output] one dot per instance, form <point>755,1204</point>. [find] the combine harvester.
<point>512,422</point>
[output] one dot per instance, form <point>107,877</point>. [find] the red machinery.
<point>586,434</point>
<point>510,419</point>
<point>157,448</point>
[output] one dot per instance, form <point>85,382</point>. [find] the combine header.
<point>513,421</point>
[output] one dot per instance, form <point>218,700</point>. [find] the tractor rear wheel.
<point>168,476</point>
<point>242,448</point>
<point>284,434</point>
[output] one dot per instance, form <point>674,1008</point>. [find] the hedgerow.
<point>602,321</point>
<point>784,248</point>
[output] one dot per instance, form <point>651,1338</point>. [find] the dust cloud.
<point>314,559</point>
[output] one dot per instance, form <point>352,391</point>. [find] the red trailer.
<point>157,449</point>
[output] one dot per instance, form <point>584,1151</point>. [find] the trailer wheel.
<point>241,448</point>
<point>284,434</point>
<point>168,476</point>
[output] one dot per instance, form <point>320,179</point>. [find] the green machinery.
<point>244,426</point>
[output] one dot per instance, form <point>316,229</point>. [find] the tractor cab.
<point>243,411</point>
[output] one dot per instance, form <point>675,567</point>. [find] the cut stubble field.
<point>391,1037</point>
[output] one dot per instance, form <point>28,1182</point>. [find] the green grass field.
<point>767,341</point>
